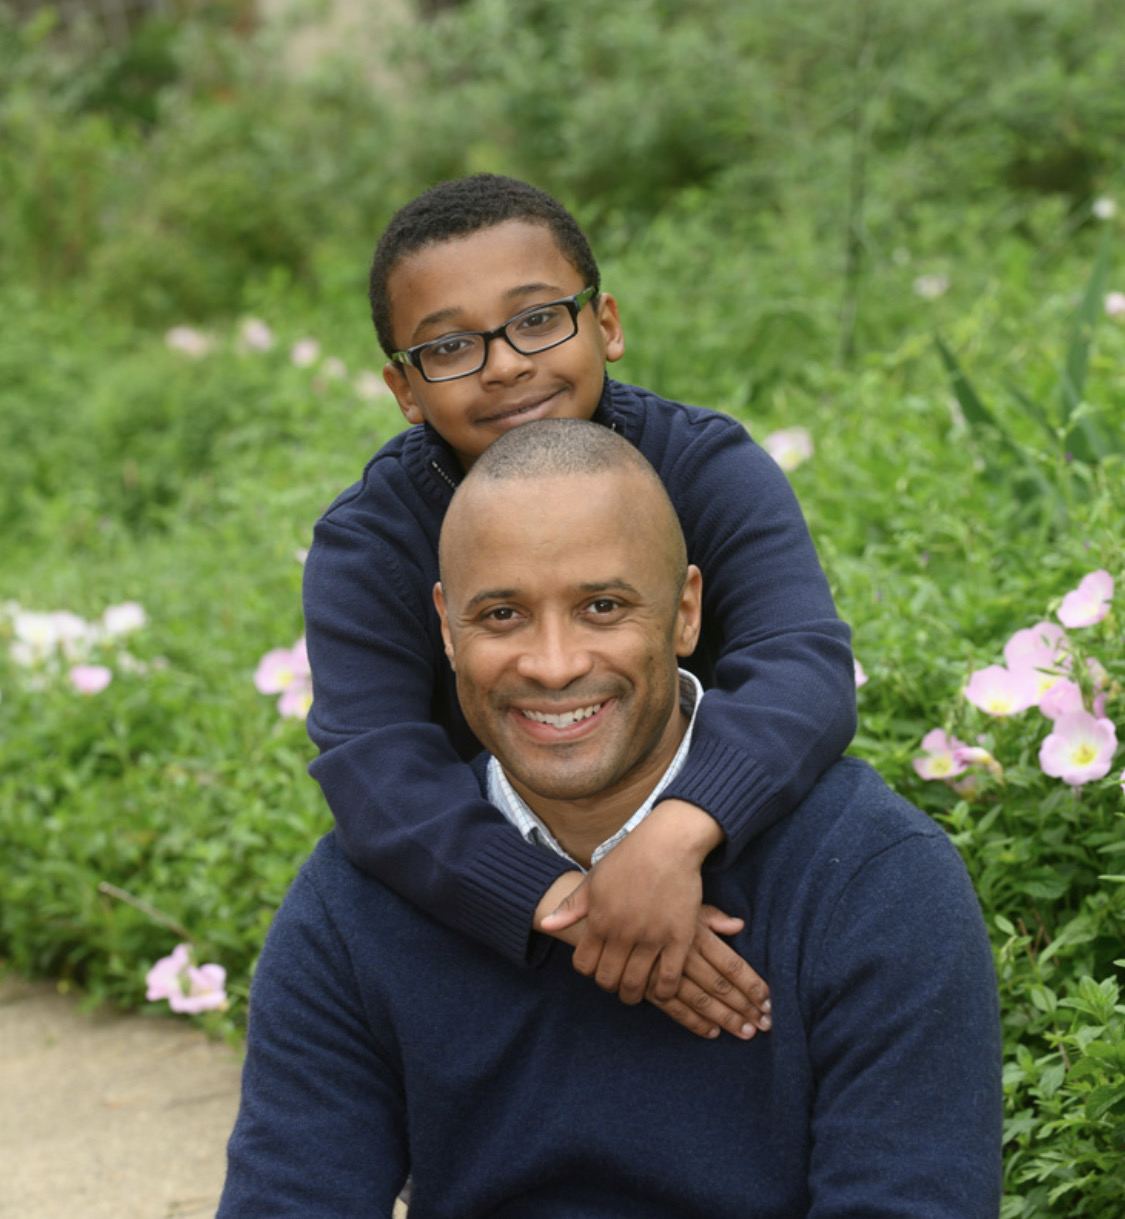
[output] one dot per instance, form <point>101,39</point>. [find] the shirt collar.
<point>515,808</point>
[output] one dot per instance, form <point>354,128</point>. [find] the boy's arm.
<point>781,707</point>
<point>781,703</point>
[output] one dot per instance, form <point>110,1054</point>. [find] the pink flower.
<point>1115,304</point>
<point>187,987</point>
<point>1042,646</point>
<point>1000,691</point>
<point>90,679</point>
<point>1064,697</point>
<point>941,759</point>
<point>789,447</point>
<point>1080,749</point>
<point>286,671</point>
<point>295,701</point>
<point>861,678</point>
<point>975,755</point>
<point>280,668</point>
<point>1089,602</point>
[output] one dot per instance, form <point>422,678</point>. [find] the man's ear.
<point>613,337</point>
<point>689,613</point>
<point>447,638</point>
<point>396,381</point>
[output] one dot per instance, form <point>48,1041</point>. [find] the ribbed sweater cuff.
<point>733,788</point>
<point>499,895</point>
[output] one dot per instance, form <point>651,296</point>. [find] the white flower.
<point>255,335</point>
<point>789,447</point>
<point>369,386</point>
<point>304,353</point>
<point>188,342</point>
<point>930,287</point>
<point>123,618</point>
<point>1104,208</point>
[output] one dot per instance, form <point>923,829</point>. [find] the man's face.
<point>563,618</point>
<point>477,283</point>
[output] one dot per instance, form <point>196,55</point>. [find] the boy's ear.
<point>395,380</point>
<point>439,602</point>
<point>609,319</point>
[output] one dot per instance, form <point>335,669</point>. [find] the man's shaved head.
<point>562,448</point>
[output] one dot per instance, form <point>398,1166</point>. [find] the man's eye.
<point>502,613</point>
<point>604,605</point>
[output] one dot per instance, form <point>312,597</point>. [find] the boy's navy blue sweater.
<point>382,1043</point>
<point>774,656</point>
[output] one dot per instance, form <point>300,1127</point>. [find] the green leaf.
<point>1085,437</point>
<point>1102,1100</point>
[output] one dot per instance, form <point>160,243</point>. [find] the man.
<point>383,1044</point>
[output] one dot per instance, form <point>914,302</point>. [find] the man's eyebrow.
<point>588,588</point>
<point>553,291</point>
<point>490,594</point>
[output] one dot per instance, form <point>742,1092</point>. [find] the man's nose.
<point>556,655</point>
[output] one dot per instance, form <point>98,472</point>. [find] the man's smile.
<point>564,719</point>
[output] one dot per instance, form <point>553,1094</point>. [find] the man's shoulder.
<point>850,817</point>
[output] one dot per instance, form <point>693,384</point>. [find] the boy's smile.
<point>478,282</point>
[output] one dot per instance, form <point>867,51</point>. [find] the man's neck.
<point>580,826</point>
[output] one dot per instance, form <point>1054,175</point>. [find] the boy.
<point>486,299</point>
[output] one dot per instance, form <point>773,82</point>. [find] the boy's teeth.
<point>566,719</point>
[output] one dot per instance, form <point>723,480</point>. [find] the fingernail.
<point>765,1024</point>
<point>713,1033</point>
<point>766,1007</point>
<point>748,1030</point>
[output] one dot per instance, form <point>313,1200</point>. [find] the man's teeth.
<point>567,718</point>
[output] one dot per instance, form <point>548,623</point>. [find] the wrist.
<point>561,888</point>
<point>685,828</point>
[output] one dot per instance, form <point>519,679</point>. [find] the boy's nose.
<point>502,362</point>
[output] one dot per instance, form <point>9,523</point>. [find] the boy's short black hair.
<point>458,208</point>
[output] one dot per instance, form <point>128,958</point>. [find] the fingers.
<point>625,969</point>
<point>705,1015</point>
<point>723,977</point>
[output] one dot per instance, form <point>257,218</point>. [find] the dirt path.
<point>106,1116</point>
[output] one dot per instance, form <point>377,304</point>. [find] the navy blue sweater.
<point>774,656</point>
<point>380,1042</point>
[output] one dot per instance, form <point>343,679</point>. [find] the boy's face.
<point>478,282</point>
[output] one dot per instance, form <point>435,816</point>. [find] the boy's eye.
<point>447,349</point>
<point>542,321</point>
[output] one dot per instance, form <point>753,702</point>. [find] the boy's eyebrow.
<point>512,294</point>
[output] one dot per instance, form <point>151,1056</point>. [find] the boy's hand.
<point>637,926</point>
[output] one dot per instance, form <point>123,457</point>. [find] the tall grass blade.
<point>1086,438</point>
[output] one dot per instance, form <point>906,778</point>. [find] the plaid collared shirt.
<point>514,807</point>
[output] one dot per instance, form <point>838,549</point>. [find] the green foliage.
<point>789,201</point>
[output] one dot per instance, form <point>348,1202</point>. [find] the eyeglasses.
<point>529,332</point>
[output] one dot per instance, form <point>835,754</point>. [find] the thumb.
<point>572,909</point>
<point>720,923</point>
